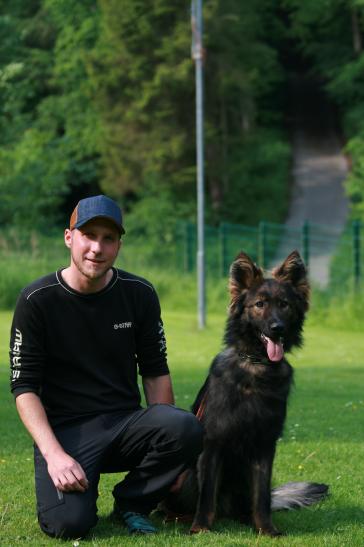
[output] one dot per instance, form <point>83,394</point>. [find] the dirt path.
<point>319,169</point>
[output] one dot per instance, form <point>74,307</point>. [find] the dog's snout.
<point>277,327</point>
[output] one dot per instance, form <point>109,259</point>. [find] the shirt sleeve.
<point>151,341</point>
<point>26,349</point>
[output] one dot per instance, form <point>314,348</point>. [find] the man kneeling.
<point>79,337</point>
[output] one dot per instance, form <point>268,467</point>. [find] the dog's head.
<point>267,314</point>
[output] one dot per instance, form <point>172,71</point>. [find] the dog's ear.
<point>243,275</point>
<point>294,271</point>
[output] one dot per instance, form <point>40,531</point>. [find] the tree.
<point>100,95</point>
<point>48,122</point>
<point>144,87</point>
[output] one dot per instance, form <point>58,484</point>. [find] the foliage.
<point>47,120</point>
<point>255,181</point>
<point>142,84</point>
<point>99,95</point>
<point>242,76</point>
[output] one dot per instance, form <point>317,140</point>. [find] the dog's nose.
<point>277,327</point>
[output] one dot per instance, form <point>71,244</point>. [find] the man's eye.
<point>259,304</point>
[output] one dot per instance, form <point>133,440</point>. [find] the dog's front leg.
<point>261,473</point>
<point>208,475</point>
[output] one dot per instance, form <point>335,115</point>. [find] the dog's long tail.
<point>297,494</point>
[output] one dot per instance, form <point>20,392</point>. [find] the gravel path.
<point>319,169</point>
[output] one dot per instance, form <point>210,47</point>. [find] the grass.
<point>322,442</point>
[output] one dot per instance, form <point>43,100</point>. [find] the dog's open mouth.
<point>275,350</point>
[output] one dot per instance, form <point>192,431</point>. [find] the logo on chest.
<point>126,325</point>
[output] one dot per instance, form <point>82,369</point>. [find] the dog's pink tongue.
<point>275,350</point>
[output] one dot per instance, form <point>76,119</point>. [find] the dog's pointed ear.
<point>294,271</point>
<point>243,274</point>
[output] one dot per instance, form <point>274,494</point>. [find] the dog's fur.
<point>242,404</point>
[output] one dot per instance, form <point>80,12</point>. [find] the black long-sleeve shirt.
<point>81,352</point>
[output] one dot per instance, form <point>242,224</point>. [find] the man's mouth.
<point>94,261</point>
<point>275,350</point>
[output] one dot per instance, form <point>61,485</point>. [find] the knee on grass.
<point>69,526</point>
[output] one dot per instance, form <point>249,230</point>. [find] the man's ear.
<point>293,271</point>
<point>243,275</point>
<point>68,237</point>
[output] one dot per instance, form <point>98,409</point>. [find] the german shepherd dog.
<point>243,402</point>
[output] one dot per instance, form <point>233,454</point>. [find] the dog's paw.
<point>198,529</point>
<point>271,531</point>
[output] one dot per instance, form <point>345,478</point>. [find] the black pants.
<point>153,444</point>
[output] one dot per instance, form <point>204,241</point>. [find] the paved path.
<point>319,169</point>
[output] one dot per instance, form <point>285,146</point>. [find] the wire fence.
<point>334,257</point>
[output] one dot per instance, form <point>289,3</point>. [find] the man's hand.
<point>66,473</point>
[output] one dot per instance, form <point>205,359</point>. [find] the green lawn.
<point>323,441</point>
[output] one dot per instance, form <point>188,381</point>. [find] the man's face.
<point>94,247</point>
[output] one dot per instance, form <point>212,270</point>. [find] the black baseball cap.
<point>97,207</point>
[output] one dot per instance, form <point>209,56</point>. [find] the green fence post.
<point>356,252</point>
<point>191,247</point>
<point>222,240</point>
<point>262,243</point>
<point>188,250</point>
<point>306,243</point>
<point>178,247</point>
<point>185,246</point>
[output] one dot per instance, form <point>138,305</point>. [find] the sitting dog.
<point>243,403</point>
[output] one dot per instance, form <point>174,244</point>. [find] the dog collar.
<point>254,359</point>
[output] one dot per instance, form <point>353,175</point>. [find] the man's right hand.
<point>66,473</point>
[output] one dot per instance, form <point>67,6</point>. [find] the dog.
<point>243,403</point>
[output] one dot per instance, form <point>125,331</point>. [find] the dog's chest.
<point>247,384</point>
<point>250,382</point>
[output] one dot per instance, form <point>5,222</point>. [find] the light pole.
<point>197,55</point>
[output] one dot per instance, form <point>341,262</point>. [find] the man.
<point>79,336</point>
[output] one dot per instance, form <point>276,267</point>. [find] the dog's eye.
<point>283,304</point>
<point>259,304</point>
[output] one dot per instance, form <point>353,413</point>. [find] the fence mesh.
<point>334,257</point>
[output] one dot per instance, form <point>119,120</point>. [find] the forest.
<point>99,96</point>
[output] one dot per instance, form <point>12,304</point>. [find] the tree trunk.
<point>357,39</point>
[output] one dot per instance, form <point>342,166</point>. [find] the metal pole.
<point>197,55</point>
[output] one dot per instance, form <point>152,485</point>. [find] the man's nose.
<point>96,247</point>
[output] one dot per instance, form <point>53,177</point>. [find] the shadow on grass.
<point>319,520</point>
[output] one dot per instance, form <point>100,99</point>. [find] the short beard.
<point>89,274</point>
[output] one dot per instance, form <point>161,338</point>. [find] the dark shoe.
<point>137,523</point>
